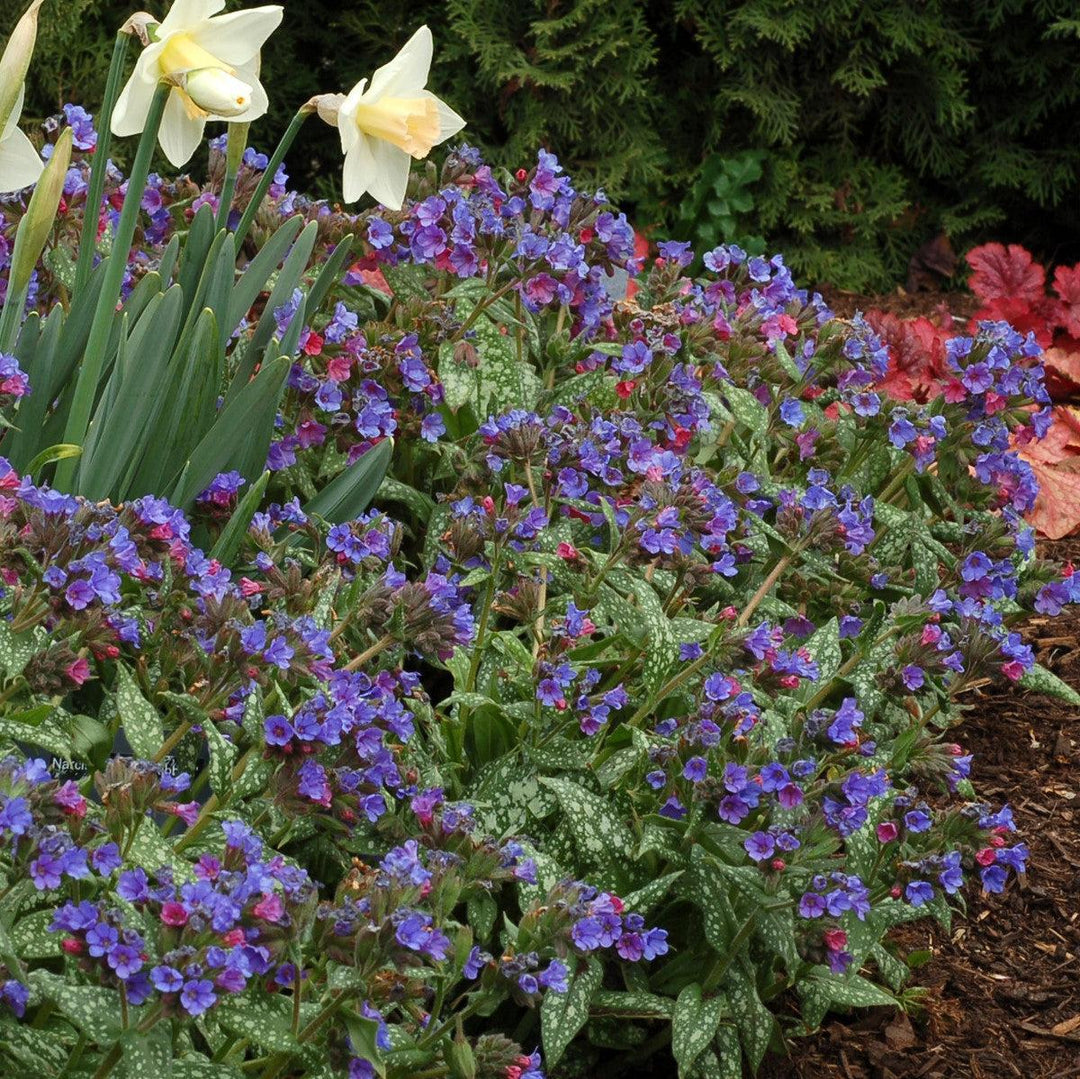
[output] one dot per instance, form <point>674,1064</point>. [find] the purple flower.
<point>695,769</point>
<point>913,677</point>
<point>919,892</point>
<point>278,731</point>
<point>198,996</point>
<point>760,846</point>
<point>166,979</point>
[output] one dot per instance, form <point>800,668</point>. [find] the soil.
<point>1003,987</point>
<point>902,303</point>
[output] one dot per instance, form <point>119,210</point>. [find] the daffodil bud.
<point>16,61</point>
<point>217,92</point>
<point>40,215</point>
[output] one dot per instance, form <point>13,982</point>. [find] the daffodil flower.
<point>386,124</point>
<point>20,162</point>
<point>212,62</point>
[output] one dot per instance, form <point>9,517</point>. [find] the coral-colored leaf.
<point>1056,512</point>
<point>1062,373</point>
<point>1005,273</point>
<point>1067,286</point>
<point>1055,460</point>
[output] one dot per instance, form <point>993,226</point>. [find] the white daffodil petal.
<point>16,112</point>
<point>129,116</point>
<point>20,163</point>
<point>359,170</point>
<point>236,38</point>
<point>391,173</point>
<point>181,130</point>
<point>346,124</point>
<point>407,73</point>
<point>449,121</point>
<point>184,14</point>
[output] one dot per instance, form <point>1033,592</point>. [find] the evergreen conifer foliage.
<point>878,123</point>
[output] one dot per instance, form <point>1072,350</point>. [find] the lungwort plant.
<point>416,655</point>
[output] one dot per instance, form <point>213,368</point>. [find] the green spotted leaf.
<point>407,280</point>
<point>93,1010</point>
<point>693,1025</point>
<point>710,894</point>
<point>755,1023</point>
<point>148,1054</point>
<point>265,1021</point>
<point>222,758</point>
<point>746,408</point>
<point>482,912</point>
<point>1040,680</point>
<point>824,649</point>
<point>645,898</point>
<point>31,938</point>
<point>41,1053</point>
<point>509,798</point>
<point>728,1054</point>
<point>894,971</point>
<point>631,1005</point>
<point>825,990</point>
<point>662,646</point>
<point>254,713</point>
<point>497,379</point>
<point>16,649</point>
<point>138,717</point>
<point>600,835</point>
<point>562,1015</point>
<point>152,850</point>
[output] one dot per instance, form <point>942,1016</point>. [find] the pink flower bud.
<point>173,913</point>
<point>270,908</point>
<point>887,831</point>
<point>835,939</point>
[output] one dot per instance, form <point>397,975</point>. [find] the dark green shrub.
<point>877,124</point>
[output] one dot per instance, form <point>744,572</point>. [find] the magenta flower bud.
<point>887,831</point>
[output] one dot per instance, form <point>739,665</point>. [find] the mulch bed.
<point>901,303</point>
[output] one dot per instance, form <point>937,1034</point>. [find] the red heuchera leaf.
<point>1005,273</point>
<point>1055,460</point>
<point>916,355</point>
<point>1067,286</point>
<point>1035,316</point>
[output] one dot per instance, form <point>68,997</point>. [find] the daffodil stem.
<point>234,155</point>
<point>92,213</point>
<point>93,359</point>
<point>268,176</point>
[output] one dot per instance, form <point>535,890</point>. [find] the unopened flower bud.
<point>217,92</point>
<point>37,224</point>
